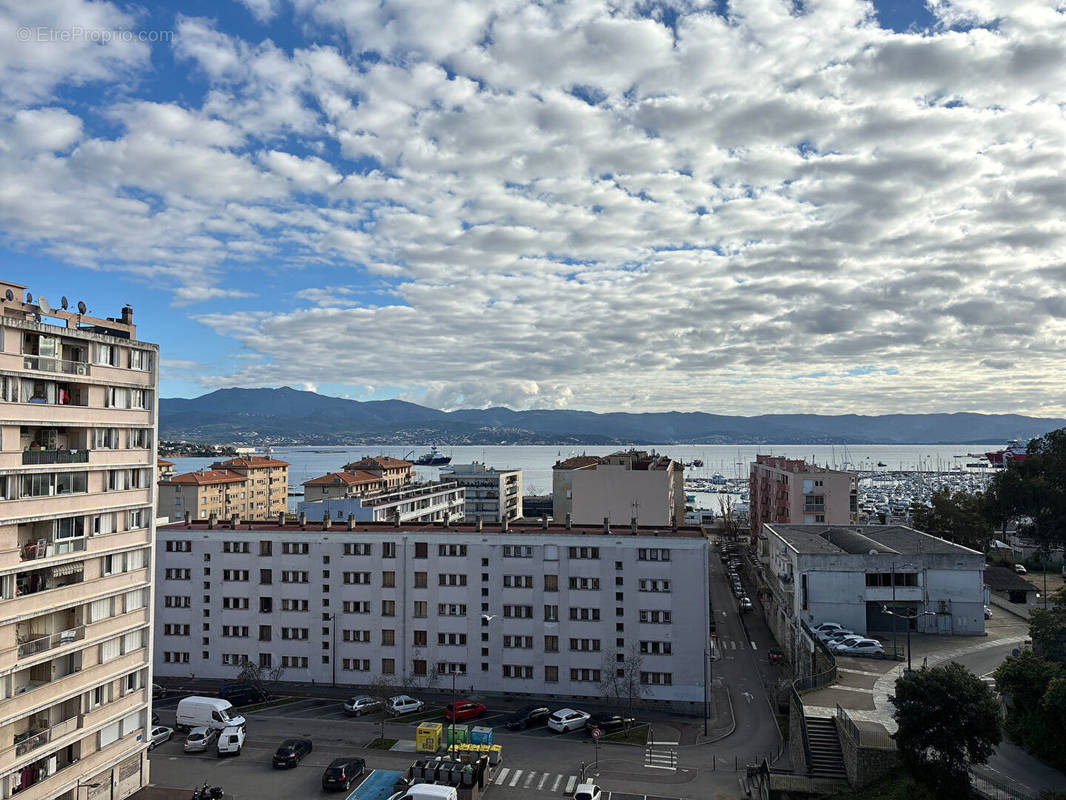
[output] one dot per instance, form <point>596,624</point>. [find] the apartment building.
<point>786,490</point>
<point>492,495</point>
<point>77,466</point>
<point>252,487</point>
<point>395,472</point>
<point>411,504</point>
<point>621,486</point>
<point>536,611</point>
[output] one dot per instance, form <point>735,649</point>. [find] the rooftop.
<point>348,478</point>
<point>865,539</point>
<point>793,465</point>
<point>1005,579</point>
<point>537,529</point>
<point>382,462</point>
<point>631,459</point>
<point>206,477</point>
<point>250,462</point>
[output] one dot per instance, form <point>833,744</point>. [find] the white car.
<point>361,705</point>
<point>1020,569</point>
<point>405,704</point>
<point>568,719</point>
<point>845,642</point>
<point>588,791</point>
<point>828,626</point>
<point>199,739</point>
<point>835,635</point>
<point>863,647</point>
<point>160,734</point>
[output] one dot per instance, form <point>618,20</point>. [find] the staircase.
<point>826,760</point>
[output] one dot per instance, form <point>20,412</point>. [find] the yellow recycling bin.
<point>428,736</point>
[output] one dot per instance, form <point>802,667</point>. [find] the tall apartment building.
<point>787,490</point>
<point>77,466</point>
<point>620,486</point>
<point>527,609</point>
<point>492,495</point>
<point>252,487</point>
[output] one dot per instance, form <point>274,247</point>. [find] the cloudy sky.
<point>739,207</point>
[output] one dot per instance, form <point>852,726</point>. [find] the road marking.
<point>543,780</point>
<point>733,644</point>
<point>502,776</point>
<point>570,784</point>
<point>558,780</point>
<point>668,744</point>
<point>515,777</point>
<point>529,780</point>
<point>754,646</point>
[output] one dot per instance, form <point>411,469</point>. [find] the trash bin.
<point>480,735</point>
<point>458,734</point>
<point>495,754</point>
<point>428,736</point>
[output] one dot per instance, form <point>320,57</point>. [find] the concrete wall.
<point>611,490</point>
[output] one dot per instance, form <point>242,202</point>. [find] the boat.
<point>697,462</point>
<point>882,464</point>
<point>1014,452</point>
<point>433,459</point>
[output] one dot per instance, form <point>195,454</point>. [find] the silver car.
<point>363,704</point>
<point>199,739</point>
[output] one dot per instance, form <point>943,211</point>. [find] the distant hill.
<point>289,416</point>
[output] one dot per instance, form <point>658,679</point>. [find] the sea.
<point>728,461</point>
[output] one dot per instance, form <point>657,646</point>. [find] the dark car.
<point>463,709</point>
<point>291,751</point>
<point>527,717</point>
<point>341,772</point>
<point>608,721</point>
<point>242,694</point>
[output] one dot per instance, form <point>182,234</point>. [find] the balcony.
<point>45,548</point>
<point>49,364</point>
<point>55,457</point>
<point>50,641</point>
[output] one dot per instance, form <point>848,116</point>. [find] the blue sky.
<point>837,205</point>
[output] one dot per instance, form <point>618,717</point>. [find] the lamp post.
<point>895,639</point>
<point>909,618</point>
<point>454,705</point>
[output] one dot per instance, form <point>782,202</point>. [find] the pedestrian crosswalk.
<point>553,782</point>
<point>660,755</point>
<point>733,644</point>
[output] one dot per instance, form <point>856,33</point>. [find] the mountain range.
<point>288,416</point>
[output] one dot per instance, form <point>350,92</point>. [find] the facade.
<point>491,494</point>
<point>361,478</point>
<point>619,487</point>
<point>356,603</point>
<point>165,468</point>
<point>394,471</point>
<point>250,487</point>
<point>848,575</point>
<point>791,491</point>
<point>414,503</point>
<point>77,467</point>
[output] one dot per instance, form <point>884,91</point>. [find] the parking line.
<point>502,776</point>
<point>753,646</point>
<point>529,780</point>
<point>558,780</point>
<point>515,777</point>
<point>570,784</point>
<point>543,780</point>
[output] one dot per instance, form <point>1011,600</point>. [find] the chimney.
<point>212,520</point>
<point>447,520</point>
<point>633,524</point>
<point>303,520</point>
<point>673,525</point>
<point>281,519</point>
<point>606,524</point>
<point>188,519</point>
<point>506,524</point>
<point>544,522</point>
<point>569,521</point>
<point>396,518</point>
<point>351,522</point>
<point>326,521</point>
<point>127,315</point>
<point>234,521</point>
<point>478,524</point>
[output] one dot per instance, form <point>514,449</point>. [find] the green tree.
<point>1047,627</point>
<point>959,518</point>
<point>1033,492</point>
<point>948,719</point>
<point>1035,689</point>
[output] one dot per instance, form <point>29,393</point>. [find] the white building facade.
<point>414,504</point>
<point>492,495</point>
<point>351,606</point>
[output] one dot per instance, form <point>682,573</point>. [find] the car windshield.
<point>583,796</point>
<point>194,737</point>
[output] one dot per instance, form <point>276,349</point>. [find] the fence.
<point>864,738</point>
<point>988,785</point>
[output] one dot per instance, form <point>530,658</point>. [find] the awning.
<point>67,569</point>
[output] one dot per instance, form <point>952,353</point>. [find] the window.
<point>446,668</point>
<point>652,554</point>
<point>141,359</point>
<point>295,662</point>
<point>388,608</point>
<point>551,674</point>
<point>586,584</point>
<point>551,644</point>
<point>175,601</point>
<point>138,518</point>
<point>583,552</point>
<point>388,666</point>
<point>266,576</point>
<point>419,639</point>
<point>292,604</point>
<point>451,550</point>
<point>655,616</point>
<point>356,664</point>
<point>517,551</point>
<point>585,614</point>
<point>178,546</point>
<point>520,642</point>
<point>175,630</point>
<point>388,549</point>
<point>517,671</point>
<point>421,550</point>
<point>235,603</point>
<point>299,634</point>
<point>653,585</point>
<point>238,575</point>
<point>585,645</point>
<point>655,648</point>
<point>105,438</point>
<point>420,580</point>
<point>388,637</point>
<point>451,639</point>
<point>451,610</point>
<point>421,608</point>
<point>885,578</point>
<point>177,574</point>
<point>356,636</point>
<point>518,612</point>
<point>235,547</point>
<point>585,675</point>
<point>357,578</point>
<point>175,658</point>
<point>265,547</point>
<point>451,579</point>
<point>107,355</point>
<point>265,633</point>
<point>518,581</point>
<point>551,583</point>
<point>238,631</point>
<point>295,548</point>
<point>356,606</point>
<point>656,678</point>
<point>293,576</point>
<point>551,613</point>
<point>357,548</point>
<point>266,605</point>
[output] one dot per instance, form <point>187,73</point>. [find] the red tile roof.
<point>385,462</point>
<point>207,477</point>
<point>351,479</point>
<point>162,462</point>
<point>577,462</point>
<point>250,462</point>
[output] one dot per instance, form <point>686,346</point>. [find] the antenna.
<point>29,297</point>
<point>42,301</point>
<point>81,306</point>
<point>63,302</point>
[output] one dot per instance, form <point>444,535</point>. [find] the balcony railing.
<point>32,743</point>
<point>49,364</point>
<point>55,457</point>
<point>43,548</point>
<point>51,641</point>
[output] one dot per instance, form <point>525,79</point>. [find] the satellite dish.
<point>81,306</point>
<point>63,302</point>
<point>42,301</point>
<point>10,295</point>
<point>29,297</point>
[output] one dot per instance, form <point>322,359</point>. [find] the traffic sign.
<point>596,733</point>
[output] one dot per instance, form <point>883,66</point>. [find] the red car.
<point>464,709</point>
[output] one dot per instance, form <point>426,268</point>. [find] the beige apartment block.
<point>268,484</point>
<point>622,487</point>
<point>78,401</point>
<point>250,487</point>
<point>788,490</point>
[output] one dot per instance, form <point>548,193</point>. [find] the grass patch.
<point>420,716</point>
<point>896,785</point>
<point>382,744</point>
<point>280,701</point>
<point>638,734</point>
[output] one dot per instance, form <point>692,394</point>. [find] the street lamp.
<point>895,638</point>
<point>909,618</point>
<point>454,707</point>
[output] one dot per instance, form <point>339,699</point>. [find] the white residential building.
<point>413,504</point>
<point>77,498</point>
<point>492,495</point>
<point>355,602</point>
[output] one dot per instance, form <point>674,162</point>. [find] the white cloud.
<point>262,10</point>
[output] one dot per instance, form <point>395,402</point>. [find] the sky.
<point>740,206</point>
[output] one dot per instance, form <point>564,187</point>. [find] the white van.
<point>209,712</point>
<point>231,740</point>
<point>427,791</point>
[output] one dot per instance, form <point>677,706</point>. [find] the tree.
<point>1035,689</point>
<point>381,689</point>
<point>257,676</point>
<point>958,517</point>
<point>948,719</point>
<point>728,513</point>
<point>1032,492</point>
<point>620,680</point>
<point>1047,627</point>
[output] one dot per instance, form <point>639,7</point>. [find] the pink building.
<point>789,490</point>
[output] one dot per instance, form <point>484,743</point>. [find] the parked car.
<point>828,626</point>
<point>207,712</point>
<point>608,721</point>
<point>231,741</point>
<point>588,791</point>
<point>427,791</point>
<point>158,692</point>
<point>844,641</point>
<point>746,604</point>
<point>405,704</point>
<point>831,635</point>
<point>863,647</point>
<point>527,717</point>
<point>160,734</point>
<point>243,694</point>
<point>738,592</point>
<point>988,613</point>
<point>291,751</point>
<point>1020,569</point>
<point>199,739</point>
<point>341,772</point>
<point>362,704</point>
<point>463,709</point>
<point>568,719</point>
